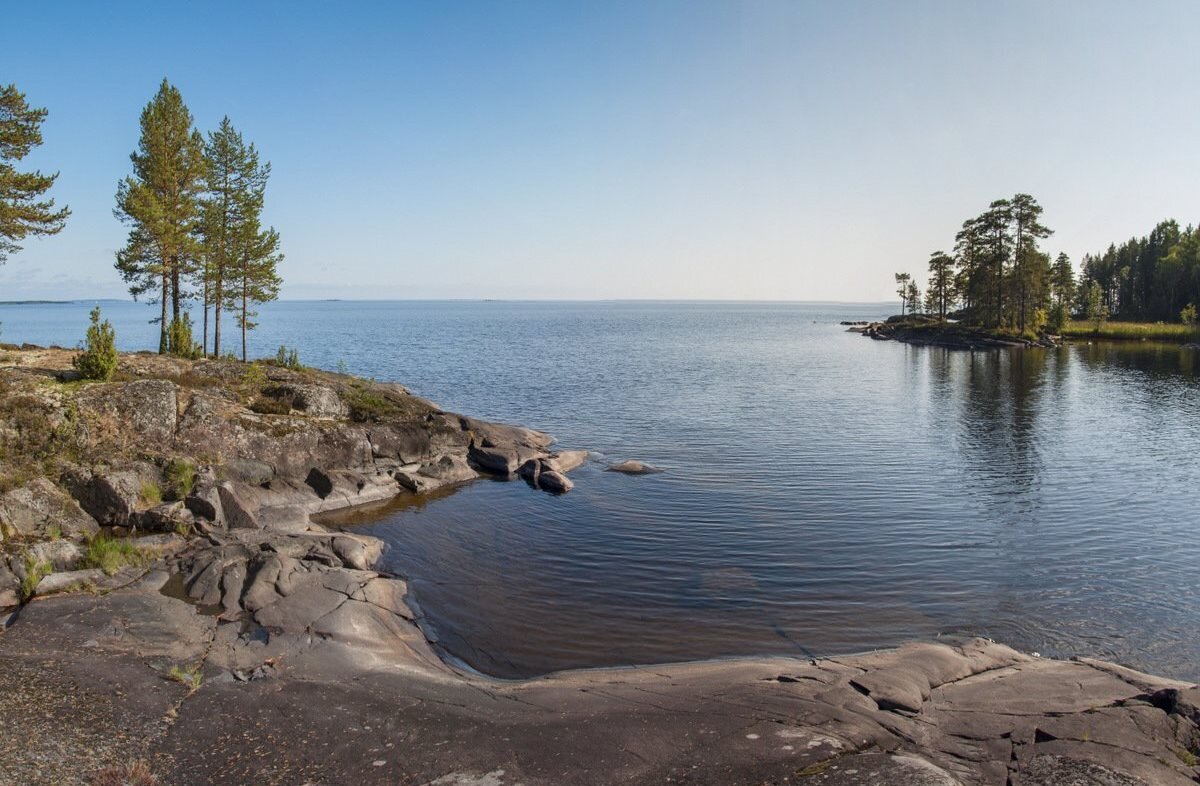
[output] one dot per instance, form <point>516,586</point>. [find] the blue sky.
<point>748,150</point>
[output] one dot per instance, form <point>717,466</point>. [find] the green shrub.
<point>1188,315</point>
<point>110,554</point>
<point>98,360</point>
<point>266,405</point>
<point>366,405</point>
<point>179,339</point>
<point>288,358</point>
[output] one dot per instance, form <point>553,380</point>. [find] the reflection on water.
<point>828,494</point>
<point>825,493</point>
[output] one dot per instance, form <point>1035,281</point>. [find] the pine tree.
<point>902,281</point>
<point>253,274</point>
<point>23,212</point>
<point>236,184</point>
<point>940,293</point>
<point>160,203</point>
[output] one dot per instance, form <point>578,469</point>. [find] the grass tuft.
<point>189,676</point>
<point>110,554</point>
<point>35,571</point>
<point>181,477</point>
<point>134,773</point>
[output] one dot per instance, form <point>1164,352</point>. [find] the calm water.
<point>824,493</point>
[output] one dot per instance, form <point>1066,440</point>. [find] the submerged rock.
<point>634,467</point>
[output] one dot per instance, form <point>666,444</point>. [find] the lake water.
<point>824,493</point>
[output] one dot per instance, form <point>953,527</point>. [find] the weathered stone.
<point>167,517</point>
<point>71,581</point>
<point>41,509</point>
<point>634,467</point>
<point>497,460</point>
<point>236,513</point>
<point>144,409</point>
<point>320,482</point>
<point>111,497</point>
<point>567,460</point>
<point>249,471</point>
<point>59,554</point>
<point>555,482</point>
<point>317,401</point>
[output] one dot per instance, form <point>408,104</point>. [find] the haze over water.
<point>824,493</point>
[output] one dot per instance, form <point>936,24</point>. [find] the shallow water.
<point>824,493</point>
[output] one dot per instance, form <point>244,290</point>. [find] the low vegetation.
<point>35,571</point>
<point>189,676</point>
<point>134,773</point>
<point>110,554</point>
<point>1135,331</point>
<point>181,477</point>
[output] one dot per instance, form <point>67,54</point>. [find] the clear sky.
<point>743,150</point>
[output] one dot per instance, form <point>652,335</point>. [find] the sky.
<point>753,150</point>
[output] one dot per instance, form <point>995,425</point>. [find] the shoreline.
<point>265,647</point>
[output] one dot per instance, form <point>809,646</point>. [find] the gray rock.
<point>41,509</point>
<point>554,482</point>
<point>634,467</point>
<point>567,460</point>
<point>317,401</point>
<point>111,497</point>
<point>60,554</point>
<point>144,409</point>
<point>71,581</point>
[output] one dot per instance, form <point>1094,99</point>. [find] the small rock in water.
<point>634,467</point>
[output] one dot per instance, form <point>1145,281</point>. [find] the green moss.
<point>110,554</point>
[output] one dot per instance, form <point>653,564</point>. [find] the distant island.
<point>999,288</point>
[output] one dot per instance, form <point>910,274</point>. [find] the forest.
<point>999,278</point>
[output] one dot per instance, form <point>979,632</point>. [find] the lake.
<point>824,493</point>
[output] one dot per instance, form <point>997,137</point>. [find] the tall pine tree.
<point>236,184</point>
<point>160,203</point>
<point>23,211</point>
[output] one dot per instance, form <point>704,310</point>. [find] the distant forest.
<point>1149,279</point>
<point>999,278</point>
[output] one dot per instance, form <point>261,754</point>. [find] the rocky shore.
<point>926,331</point>
<point>232,640</point>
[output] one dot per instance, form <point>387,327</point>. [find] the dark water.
<point>824,493</point>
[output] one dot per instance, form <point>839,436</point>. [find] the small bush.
<point>134,773</point>
<point>1188,315</point>
<point>110,554</point>
<point>179,339</point>
<point>254,374</point>
<point>98,360</point>
<point>288,358</point>
<point>181,477</point>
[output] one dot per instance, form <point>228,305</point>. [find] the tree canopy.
<point>23,210</point>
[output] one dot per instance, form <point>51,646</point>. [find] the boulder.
<point>495,459</point>
<point>316,401</point>
<point>41,509</point>
<point>634,467</point>
<point>168,517</point>
<point>145,409</point>
<point>567,460</point>
<point>554,482</point>
<point>71,580</point>
<point>59,554</point>
<point>111,497</point>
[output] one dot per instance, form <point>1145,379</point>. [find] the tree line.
<point>998,276</point>
<point>193,206</point>
<point>1154,278</point>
